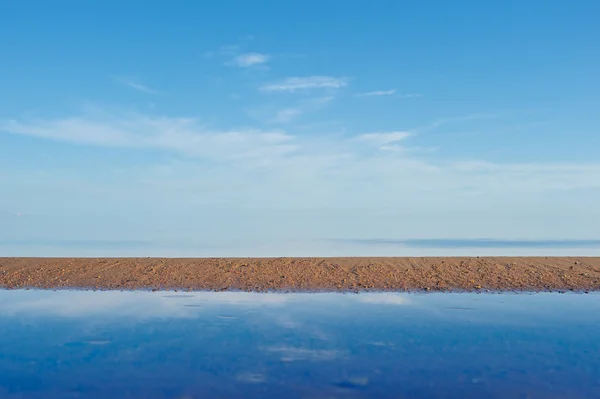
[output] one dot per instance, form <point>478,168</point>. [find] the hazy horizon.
<point>299,248</point>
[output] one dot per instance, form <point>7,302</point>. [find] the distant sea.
<point>303,247</point>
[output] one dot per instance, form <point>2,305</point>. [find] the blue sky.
<point>280,128</point>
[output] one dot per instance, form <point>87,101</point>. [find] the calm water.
<point>321,247</point>
<point>238,345</point>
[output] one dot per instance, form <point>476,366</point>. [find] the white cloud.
<point>137,86</point>
<point>286,115</point>
<point>384,93</point>
<point>322,100</point>
<point>455,120</point>
<point>378,93</point>
<point>227,50</point>
<point>250,59</point>
<point>383,193</point>
<point>272,113</point>
<point>411,95</point>
<point>329,161</point>
<point>237,58</point>
<point>181,135</point>
<point>383,138</point>
<point>321,166</point>
<point>304,83</point>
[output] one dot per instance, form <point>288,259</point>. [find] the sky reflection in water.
<point>242,345</point>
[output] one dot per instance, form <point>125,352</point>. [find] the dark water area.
<point>481,243</point>
<point>62,344</point>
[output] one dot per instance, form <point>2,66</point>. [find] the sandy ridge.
<point>306,274</point>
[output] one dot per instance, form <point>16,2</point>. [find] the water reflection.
<point>244,345</point>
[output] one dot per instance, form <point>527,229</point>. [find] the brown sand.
<point>306,274</point>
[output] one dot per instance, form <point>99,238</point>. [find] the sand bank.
<point>306,274</point>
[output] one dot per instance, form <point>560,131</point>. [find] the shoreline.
<point>335,274</point>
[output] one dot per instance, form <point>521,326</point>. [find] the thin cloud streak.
<point>382,138</point>
<point>378,93</point>
<point>385,141</point>
<point>250,59</point>
<point>137,86</point>
<point>182,135</point>
<point>294,84</point>
<point>226,50</point>
<point>316,169</point>
<point>286,115</point>
<point>388,93</point>
<point>272,113</point>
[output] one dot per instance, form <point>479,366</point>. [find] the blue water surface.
<point>62,344</point>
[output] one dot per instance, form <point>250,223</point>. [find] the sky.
<point>271,128</point>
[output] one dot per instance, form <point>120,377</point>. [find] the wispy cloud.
<point>136,85</point>
<point>250,59</point>
<point>293,84</point>
<point>238,58</point>
<point>273,113</point>
<point>456,120</point>
<point>286,115</point>
<point>227,50</point>
<point>383,138</point>
<point>378,93</point>
<point>410,95</point>
<point>388,93</point>
<point>182,135</point>
<point>304,170</point>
